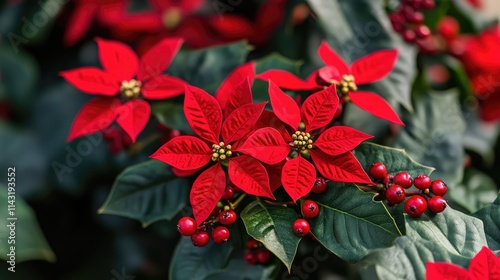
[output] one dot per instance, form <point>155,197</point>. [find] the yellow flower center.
<point>347,84</point>
<point>171,18</point>
<point>221,151</point>
<point>302,141</point>
<point>130,89</point>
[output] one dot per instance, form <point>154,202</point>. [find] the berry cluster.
<point>256,253</point>
<point>310,209</point>
<point>408,20</point>
<point>395,186</point>
<point>220,234</point>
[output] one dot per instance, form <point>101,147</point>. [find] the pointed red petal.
<point>207,190</point>
<point>203,113</point>
<point>485,265</point>
<point>274,171</point>
<point>184,153</point>
<point>287,80</point>
<point>319,108</point>
<point>234,79</point>
<point>186,7</point>
<point>163,87</point>
<point>374,67</point>
<point>250,176</point>
<point>79,22</point>
<point>241,122</point>
<point>133,117</point>
<point>341,168</point>
<point>97,114</point>
<point>92,80</point>
<point>183,173</point>
<point>375,105</point>
<point>266,145</point>
<point>117,59</point>
<point>330,57</point>
<point>285,108</point>
<point>329,74</point>
<point>240,95</point>
<point>445,271</point>
<point>298,177</point>
<point>340,139</point>
<point>158,58</point>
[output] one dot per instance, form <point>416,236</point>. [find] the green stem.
<point>238,201</point>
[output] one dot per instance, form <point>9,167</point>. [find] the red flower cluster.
<point>130,78</point>
<point>369,69</point>
<point>485,265</point>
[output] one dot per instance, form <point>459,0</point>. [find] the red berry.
<point>220,234</point>
<point>263,256</point>
<point>395,194</point>
<point>403,179</point>
<point>228,193</point>
<point>416,18</point>
<point>227,217</point>
<point>409,36</point>
<point>200,238</point>
<point>301,227</point>
<point>422,182</point>
<point>310,209</point>
<point>437,204</point>
<point>428,4</point>
<point>396,19</point>
<point>250,258</point>
<point>448,27</point>
<point>252,243</point>
<point>378,170</point>
<point>438,187</point>
<point>415,206</point>
<point>319,185</point>
<point>423,31</point>
<point>388,180</point>
<point>186,226</point>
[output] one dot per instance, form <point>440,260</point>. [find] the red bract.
<point>205,117</point>
<point>485,265</point>
<point>121,65</point>
<point>482,63</point>
<point>369,69</point>
<point>330,151</point>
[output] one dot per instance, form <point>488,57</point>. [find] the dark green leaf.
<point>239,269</point>
<point>350,223</point>
<point>406,259</point>
<point>29,242</point>
<point>272,226</point>
<point>490,215</point>
<point>454,231</point>
<point>476,191</point>
<point>207,68</point>
<point>171,115</point>
<point>147,192</point>
<point>395,160</point>
<point>196,263</point>
<point>480,136</point>
<point>433,135</point>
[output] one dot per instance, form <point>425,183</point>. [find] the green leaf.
<point>471,19</point>
<point>395,160</point>
<point>171,115</point>
<point>490,215</point>
<point>355,32</point>
<point>350,223</point>
<point>239,269</point>
<point>29,242</point>
<point>480,137</point>
<point>406,259</point>
<point>476,191</point>
<point>147,192</point>
<point>272,226</point>
<point>454,231</point>
<point>196,263</point>
<point>207,68</point>
<point>433,135</point>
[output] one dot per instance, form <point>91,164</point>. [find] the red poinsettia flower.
<point>85,12</point>
<point>330,151</point>
<point>218,143</point>
<point>129,78</point>
<point>368,69</point>
<point>482,63</point>
<point>484,266</point>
